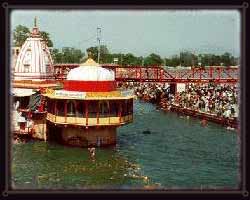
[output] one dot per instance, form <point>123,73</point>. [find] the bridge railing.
<point>162,75</point>
<point>159,74</point>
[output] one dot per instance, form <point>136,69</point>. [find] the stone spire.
<point>35,31</point>
<point>35,20</point>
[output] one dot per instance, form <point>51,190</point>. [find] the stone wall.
<point>91,136</point>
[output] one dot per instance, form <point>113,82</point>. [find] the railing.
<point>98,121</point>
<point>159,74</point>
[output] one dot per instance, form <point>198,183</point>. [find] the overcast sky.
<point>165,32</point>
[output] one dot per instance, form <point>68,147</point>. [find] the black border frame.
<point>242,8</point>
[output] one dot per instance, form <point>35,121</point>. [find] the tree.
<point>215,60</point>
<point>46,38</point>
<point>186,58</point>
<point>233,61</point>
<point>104,53</point>
<point>67,55</point>
<point>153,59</point>
<point>57,56</point>
<point>21,33</point>
<point>140,60</point>
<point>129,59</point>
<point>175,61</point>
<point>71,55</point>
<point>94,52</point>
<point>168,62</point>
<point>226,59</point>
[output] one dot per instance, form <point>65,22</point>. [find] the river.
<point>176,153</point>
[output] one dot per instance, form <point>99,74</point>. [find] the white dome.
<point>91,71</point>
<point>34,59</point>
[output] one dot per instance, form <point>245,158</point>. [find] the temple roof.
<point>91,71</point>
<point>90,62</point>
<point>34,60</point>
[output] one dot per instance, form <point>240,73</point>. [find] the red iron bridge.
<point>216,74</point>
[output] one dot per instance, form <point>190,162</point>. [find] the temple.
<point>32,71</point>
<point>83,110</point>
<point>34,61</point>
<point>88,110</point>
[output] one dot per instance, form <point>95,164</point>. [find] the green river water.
<point>178,154</point>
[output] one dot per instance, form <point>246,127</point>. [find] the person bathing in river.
<point>92,153</point>
<point>203,122</point>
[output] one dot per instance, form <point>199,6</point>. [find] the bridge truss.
<point>215,74</point>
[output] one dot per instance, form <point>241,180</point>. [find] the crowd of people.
<point>216,99</point>
<point>151,92</point>
<point>221,100</point>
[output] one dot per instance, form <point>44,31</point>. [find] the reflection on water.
<point>175,153</point>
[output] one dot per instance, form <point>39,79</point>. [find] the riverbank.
<point>227,122</point>
<point>215,103</point>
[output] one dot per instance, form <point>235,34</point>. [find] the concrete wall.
<point>82,136</point>
<point>96,136</point>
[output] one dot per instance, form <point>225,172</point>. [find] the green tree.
<point>226,59</point>
<point>67,55</point>
<point>21,33</point>
<point>215,60</point>
<point>129,59</point>
<point>71,55</point>
<point>140,60</point>
<point>104,53</point>
<point>233,61</point>
<point>167,61</point>
<point>94,52</point>
<point>57,56</point>
<point>175,61</point>
<point>153,59</point>
<point>186,58</point>
<point>46,38</point>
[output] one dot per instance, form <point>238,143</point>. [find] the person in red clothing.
<point>203,122</point>
<point>29,115</point>
<point>41,107</point>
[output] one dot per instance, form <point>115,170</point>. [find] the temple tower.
<point>34,62</point>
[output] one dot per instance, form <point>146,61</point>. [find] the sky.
<point>141,32</point>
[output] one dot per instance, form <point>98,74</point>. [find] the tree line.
<point>74,55</point>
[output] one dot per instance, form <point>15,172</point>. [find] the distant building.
<point>115,60</point>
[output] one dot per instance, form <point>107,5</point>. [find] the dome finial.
<point>35,21</point>
<point>35,31</point>
<point>90,61</point>
<point>90,55</point>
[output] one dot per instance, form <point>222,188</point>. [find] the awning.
<point>21,92</point>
